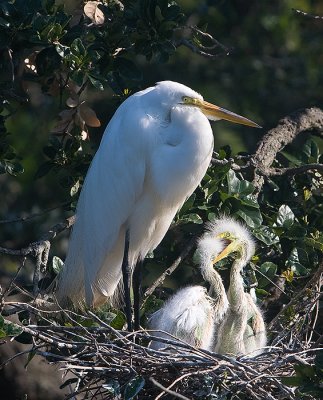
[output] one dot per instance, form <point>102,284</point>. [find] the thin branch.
<point>199,48</point>
<point>160,386</point>
<point>159,281</point>
<point>297,300</point>
<point>294,170</point>
<point>32,216</point>
<point>305,14</point>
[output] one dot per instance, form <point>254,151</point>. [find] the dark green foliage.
<point>111,50</point>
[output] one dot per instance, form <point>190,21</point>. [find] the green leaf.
<point>44,169</point>
<point>285,217</point>
<point>317,243</point>
<point>233,182</point>
<point>133,387</point>
<point>266,235</point>
<point>251,217</point>
<point>291,158</point>
<point>119,321</point>
<point>96,82</point>
<point>297,260</point>
<point>246,187</point>
<point>57,265</point>
<point>195,218</point>
<point>127,69</point>
<point>11,329</point>
<point>306,371</point>
<point>319,360</point>
<point>188,204</point>
<point>292,380</point>
<point>77,47</point>
<point>13,168</point>
<point>269,269</point>
<point>311,151</point>
<point>112,387</point>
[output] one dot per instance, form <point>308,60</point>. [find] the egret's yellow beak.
<point>212,111</point>
<point>232,247</point>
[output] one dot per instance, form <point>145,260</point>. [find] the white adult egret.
<point>229,323</point>
<point>243,330</point>
<point>152,156</point>
<point>191,314</point>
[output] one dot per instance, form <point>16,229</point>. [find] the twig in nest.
<point>165,390</point>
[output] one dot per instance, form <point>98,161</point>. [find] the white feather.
<point>152,156</point>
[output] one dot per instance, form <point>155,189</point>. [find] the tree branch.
<point>305,14</point>
<point>159,281</point>
<point>40,249</point>
<point>294,170</point>
<point>297,301</point>
<point>165,390</point>
<point>277,138</point>
<point>199,48</point>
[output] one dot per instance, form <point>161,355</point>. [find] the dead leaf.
<point>92,11</point>
<point>89,116</point>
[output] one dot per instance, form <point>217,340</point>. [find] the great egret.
<point>191,314</point>
<point>243,330</point>
<point>227,323</point>
<point>152,156</point>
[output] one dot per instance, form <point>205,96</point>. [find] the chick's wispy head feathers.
<point>219,232</point>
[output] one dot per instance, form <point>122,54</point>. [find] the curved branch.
<point>294,170</point>
<point>277,138</point>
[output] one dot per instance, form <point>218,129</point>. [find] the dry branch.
<point>277,138</point>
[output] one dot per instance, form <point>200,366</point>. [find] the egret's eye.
<point>190,100</point>
<point>187,99</point>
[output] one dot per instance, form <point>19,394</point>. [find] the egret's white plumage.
<point>152,156</point>
<point>191,314</point>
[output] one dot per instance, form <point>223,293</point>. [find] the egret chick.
<point>243,329</point>
<point>191,314</point>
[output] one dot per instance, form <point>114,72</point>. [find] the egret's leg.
<point>137,276</point>
<point>126,281</point>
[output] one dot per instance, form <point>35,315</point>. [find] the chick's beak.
<point>214,112</point>
<point>231,248</point>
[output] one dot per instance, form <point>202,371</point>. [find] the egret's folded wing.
<point>113,183</point>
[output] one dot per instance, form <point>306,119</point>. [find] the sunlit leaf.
<point>285,216</point>
<point>57,265</point>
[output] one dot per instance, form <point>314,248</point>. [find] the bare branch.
<point>277,138</point>
<point>294,170</point>
<point>165,390</point>
<point>305,14</point>
<point>32,216</point>
<point>199,48</point>
<point>299,300</point>
<point>159,281</point>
